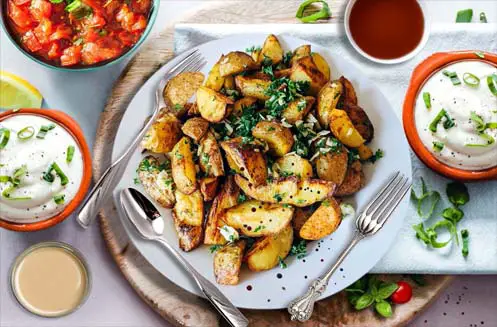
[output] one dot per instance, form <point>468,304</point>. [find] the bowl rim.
<point>420,75</point>
<point>151,21</point>
<point>75,130</point>
<point>406,57</point>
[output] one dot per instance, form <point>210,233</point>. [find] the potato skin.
<point>214,80</point>
<point>163,134</point>
<point>212,105</point>
<point>300,216</point>
<point>208,187</point>
<point>305,70</point>
<point>354,180</point>
<point>189,237</point>
<point>324,221</point>
<point>157,182</point>
<point>252,87</point>
<point>294,112</point>
<point>300,52</point>
<point>183,167</point>
<point>227,263</point>
<point>344,130</point>
<point>180,89</point>
<point>236,62</point>
<point>360,120</point>
<point>322,65</point>
<point>349,94</point>
<point>312,191</point>
<point>276,191</point>
<point>271,50</point>
<point>293,164</point>
<point>327,100</point>
<point>241,104</point>
<point>211,160</point>
<point>279,138</point>
<point>333,166</point>
<point>189,208</point>
<point>266,252</point>
<point>246,159</point>
<point>195,128</point>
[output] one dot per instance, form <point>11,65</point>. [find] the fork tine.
<point>387,185</point>
<point>188,66</point>
<point>192,56</point>
<point>378,213</point>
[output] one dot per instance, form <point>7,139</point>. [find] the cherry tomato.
<point>403,293</point>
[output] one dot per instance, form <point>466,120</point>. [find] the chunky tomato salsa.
<point>77,32</point>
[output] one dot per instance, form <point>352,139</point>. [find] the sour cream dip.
<point>456,116</point>
<point>41,168</point>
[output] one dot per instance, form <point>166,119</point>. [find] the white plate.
<point>268,291</point>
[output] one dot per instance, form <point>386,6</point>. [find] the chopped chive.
<point>427,99</point>
<point>465,242</point>
<point>483,18</point>
<point>438,146</point>
<point>4,137</point>
<point>48,176</point>
<point>448,123</point>
<point>19,172</point>
<point>471,79</point>
<point>492,83</point>
<point>453,77</point>
<point>491,125</point>
<point>59,199</point>
<point>63,178</point>
<point>70,153</point>
<point>26,133</point>
<point>5,179</point>
<point>44,130</point>
<point>490,140</point>
<point>464,16</point>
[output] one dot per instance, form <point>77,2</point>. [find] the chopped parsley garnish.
<point>214,248</point>
<point>282,263</point>
<point>259,228</point>
<point>281,92</point>
<point>299,249</point>
<point>253,49</point>
<point>376,156</point>
<point>465,242</point>
<point>241,198</point>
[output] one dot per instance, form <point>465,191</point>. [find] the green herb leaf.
<point>457,193</point>
<point>324,13</point>
<point>241,198</point>
<point>364,301</point>
<point>438,146</point>
<point>282,263</point>
<point>70,153</point>
<point>427,99</point>
<point>427,199</point>
<point>299,249</point>
<point>4,137</point>
<point>26,133</point>
<point>59,199</point>
<point>464,16</point>
<point>453,214</point>
<point>448,123</point>
<point>492,83</point>
<point>418,279</point>
<point>386,290</point>
<point>483,18</point>
<point>384,309</point>
<point>465,242</point>
<point>471,79</point>
<point>214,248</point>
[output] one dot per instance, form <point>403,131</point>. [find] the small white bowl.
<point>415,51</point>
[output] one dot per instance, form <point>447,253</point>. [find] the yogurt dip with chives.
<point>456,115</point>
<point>41,168</point>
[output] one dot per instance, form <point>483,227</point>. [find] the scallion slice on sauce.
<point>438,146</point>
<point>448,123</point>
<point>427,99</point>
<point>63,178</point>
<point>70,153</point>
<point>480,125</point>
<point>48,176</point>
<point>483,17</point>
<point>44,130</point>
<point>491,125</point>
<point>26,133</point>
<point>471,79</point>
<point>4,137</point>
<point>324,13</point>
<point>5,179</point>
<point>453,77</point>
<point>492,83</point>
<point>488,138</point>
<point>59,199</point>
<point>464,16</point>
<point>19,172</point>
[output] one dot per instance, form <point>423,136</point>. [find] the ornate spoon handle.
<point>301,308</point>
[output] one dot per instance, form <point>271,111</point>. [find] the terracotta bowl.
<point>420,75</point>
<point>73,128</point>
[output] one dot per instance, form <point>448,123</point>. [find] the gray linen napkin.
<point>407,254</point>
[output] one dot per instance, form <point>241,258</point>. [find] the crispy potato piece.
<point>361,121</point>
<point>189,237</point>
<point>327,100</point>
<point>157,181</point>
<point>293,164</point>
<point>195,128</point>
<point>236,62</point>
<point>189,208</point>
<point>192,109</point>
<point>227,198</point>
<point>333,166</point>
<point>321,64</point>
<point>300,52</point>
<point>229,83</point>
<point>312,191</point>
<point>266,252</point>
<point>212,105</point>
<point>349,94</point>
<point>364,152</point>
<point>324,221</point>
<point>282,72</point>
<point>227,263</point>
<point>180,89</point>
<point>278,138</point>
<point>342,127</point>
<point>214,80</point>
<point>208,187</point>
<point>305,70</point>
<point>163,134</point>
<point>298,109</point>
<point>183,167</point>
<point>245,159</point>
<point>282,189</point>
<point>255,54</point>
<point>252,87</point>
<point>354,180</point>
<point>242,103</point>
<point>211,160</point>
<point>271,50</point>
<point>255,218</point>
<point>300,216</point>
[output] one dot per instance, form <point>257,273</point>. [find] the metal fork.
<point>191,61</point>
<point>369,221</point>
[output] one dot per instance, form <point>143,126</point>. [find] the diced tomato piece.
<point>54,51</point>
<point>43,31</point>
<point>126,18</point>
<point>92,53</point>
<point>96,21</point>
<point>19,16</point>
<point>31,42</point>
<point>71,56</point>
<point>61,32</point>
<point>140,6</point>
<point>111,6</point>
<point>40,9</point>
<point>91,35</point>
<point>127,38</point>
<point>21,2</point>
<point>140,24</point>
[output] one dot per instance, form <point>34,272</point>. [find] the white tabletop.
<point>112,301</point>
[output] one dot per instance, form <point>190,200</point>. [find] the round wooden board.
<point>177,306</point>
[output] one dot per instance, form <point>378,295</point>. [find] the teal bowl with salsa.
<point>78,35</point>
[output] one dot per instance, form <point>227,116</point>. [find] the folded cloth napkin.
<point>407,255</point>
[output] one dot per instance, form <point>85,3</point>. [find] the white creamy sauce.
<point>33,199</point>
<point>459,101</point>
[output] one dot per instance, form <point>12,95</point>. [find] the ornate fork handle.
<point>301,308</point>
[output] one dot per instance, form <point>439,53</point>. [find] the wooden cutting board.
<point>177,306</point>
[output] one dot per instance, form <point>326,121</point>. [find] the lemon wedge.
<point>16,92</point>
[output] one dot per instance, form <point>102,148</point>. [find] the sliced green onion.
<point>491,125</point>
<point>63,178</point>
<point>19,172</point>
<point>59,199</point>
<point>426,202</point>
<point>4,137</point>
<point>44,130</point>
<point>483,17</point>
<point>78,9</point>
<point>48,176</point>
<point>464,16</point>
<point>451,228</point>
<point>490,140</point>
<point>465,242</point>
<point>324,13</point>
<point>492,83</point>
<point>70,153</point>
<point>438,146</point>
<point>5,179</point>
<point>26,133</point>
<point>453,77</point>
<point>7,192</point>
<point>427,99</point>
<point>480,54</point>
<point>448,123</point>
<point>478,120</point>
<point>471,80</point>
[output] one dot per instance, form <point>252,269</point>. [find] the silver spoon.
<point>150,225</point>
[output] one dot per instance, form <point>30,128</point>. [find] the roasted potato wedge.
<point>322,65</point>
<point>211,104</point>
<point>293,165</point>
<point>324,221</point>
<point>271,50</point>
<point>157,180</point>
<point>180,89</point>
<point>163,134</point>
<point>208,187</point>
<point>189,208</point>
<point>214,80</point>
<point>246,159</point>
<point>227,198</point>
<point>229,83</point>
<point>298,109</point>
<point>266,252</point>
<point>332,166</point>
<point>276,191</point>
<point>252,87</point>
<point>354,180</point>
<point>312,191</point>
<point>189,237</point>
<point>255,218</point>
<point>305,70</point>
<point>364,152</point>
<point>327,100</point>
<point>195,128</point>
<point>183,167</point>
<point>192,109</point>
<point>300,216</point>
<point>349,94</point>
<point>300,52</point>
<point>211,160</point>
<point>278,138</point>
<point>344,130</point>
<point>236,62</point>
<point>361,121</point>
<point>241,104</point>
<point>227,263</point>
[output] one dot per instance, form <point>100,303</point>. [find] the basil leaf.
<point>386,291</point>
<point>384,308</point>
<point>364,301</point>
<point>457,193</point>
<point>427,198</point>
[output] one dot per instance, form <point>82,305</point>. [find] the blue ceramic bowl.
<point>151,20</point>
